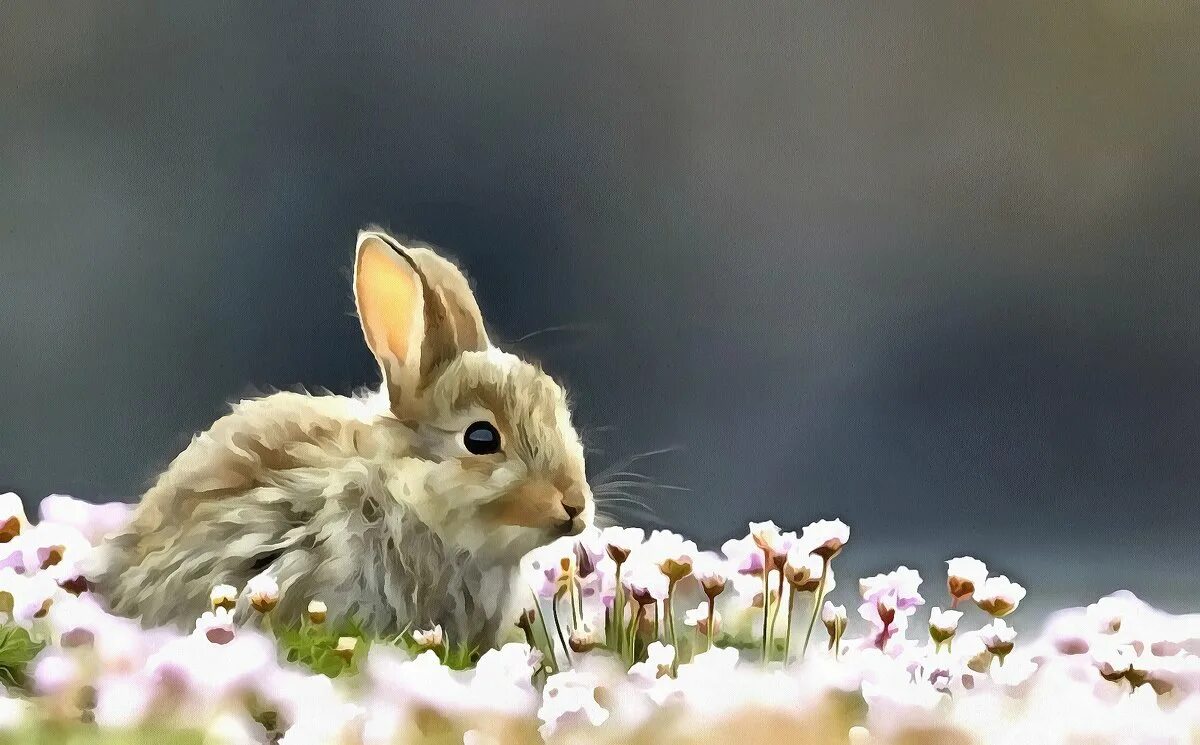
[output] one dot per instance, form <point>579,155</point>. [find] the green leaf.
<point>16,651</point>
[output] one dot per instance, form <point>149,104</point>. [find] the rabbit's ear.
<point>390,296</point>
<point>464,323</point>
<point>417,312</point>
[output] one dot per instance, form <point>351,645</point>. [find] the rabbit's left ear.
<point>463,321</point>
<point>417,313</point>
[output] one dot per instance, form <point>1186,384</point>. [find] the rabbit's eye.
<point>481,438</point>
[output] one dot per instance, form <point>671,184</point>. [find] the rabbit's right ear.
<point>390,295</point>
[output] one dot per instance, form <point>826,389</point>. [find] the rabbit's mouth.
<point>572,526</point>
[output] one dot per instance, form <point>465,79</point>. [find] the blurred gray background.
<point>930,267</point>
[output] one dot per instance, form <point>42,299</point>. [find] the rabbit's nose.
<point>573,503</point>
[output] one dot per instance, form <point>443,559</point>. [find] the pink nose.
<point>574,502</point>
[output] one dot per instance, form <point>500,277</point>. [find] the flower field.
<point>622,637</point>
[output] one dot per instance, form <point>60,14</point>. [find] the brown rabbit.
<point>409,507</point>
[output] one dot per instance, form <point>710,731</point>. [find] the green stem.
<point>656,630</point>
<point>619,613</point>
<point>558,627</point>
<point>787,637</point>
<point>712,609</point>
<point>545,631</point>
<point>766,602</point>
<point>670,619</point>
<point>576,613</point>
<point>816,605</point>
<point>634,622</point>
<point>775,611</point>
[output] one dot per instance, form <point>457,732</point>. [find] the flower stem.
<point>634,623</point>
<point>816,605</point>
<point>787,637</point>
<point>558,627</point>
<point>670,621</point>
<point>545,631</point>
<point>575,611</point>
<point>712,609</point>
<point>766,602</point>
<point>775,610</point>
<point>618,614</point>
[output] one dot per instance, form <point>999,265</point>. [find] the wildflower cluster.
<point>623,636</point>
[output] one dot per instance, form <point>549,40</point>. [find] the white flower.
<point>698,617</point>
<point>646,583</point>
<point>55,673</point>
<point>998,637</point>
<point>224,596</point>
<point>826,537</point>
<point>765,535</point>
<point>673,555</point>
<point>216,625</point>
<point>902,585</point>
<point>803,569</point>
<point>431,639</point>
<point>317,611</point>
<point>26,599</point>
<point>568,700</point>
<point>345,647</point>
<point>502,679</point>
<point>12,517</point>
<point>943,624</point>
<point>999,596</point>
<point>584,638</point>
<point>835,621</point>
<point>964,575</point>
<point>831,613</point>
<point>548,570</point>
<point>94,521</point>
<point>620,542</point>
<point>659,660</point>
<point>263,592</point>
<point>710,572</point>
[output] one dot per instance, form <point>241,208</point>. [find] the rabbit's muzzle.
<point>558,509</point>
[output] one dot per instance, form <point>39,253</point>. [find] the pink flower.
<point>619,543</point>
<point>568,701</point>
<point>216,625</point>
<point>964,575</point>
<point>93,521</point>
<point>999,596</point>
<point>12,517</point>
<point>646,583</point>
<point>744,556</point>
<point>902,585</point>
<point>826,538</point>
<point>673,555</point>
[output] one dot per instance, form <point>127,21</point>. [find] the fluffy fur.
<point>373,506</point>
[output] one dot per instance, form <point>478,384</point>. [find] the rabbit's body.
<point>369,505</point>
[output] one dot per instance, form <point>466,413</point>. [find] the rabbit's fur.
<point>371,505</point>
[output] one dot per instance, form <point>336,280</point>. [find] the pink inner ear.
<point>391,307</point>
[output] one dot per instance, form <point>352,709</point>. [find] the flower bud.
<point>317,612</point>
<point>263,592</point>
<point>223,596</point>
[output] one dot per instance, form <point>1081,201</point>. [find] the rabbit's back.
<point>294,485</point>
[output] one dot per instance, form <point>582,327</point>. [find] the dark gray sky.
<point>931,267</point>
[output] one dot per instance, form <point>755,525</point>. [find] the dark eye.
<point>481,438</point>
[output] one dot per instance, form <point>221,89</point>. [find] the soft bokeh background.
<point>931,267</point>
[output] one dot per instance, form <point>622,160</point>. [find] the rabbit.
<point>401,509</point>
